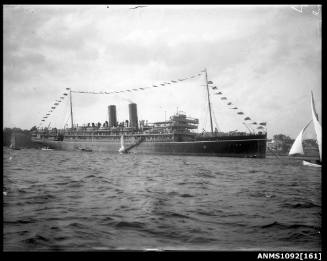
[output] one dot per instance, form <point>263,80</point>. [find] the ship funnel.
<point>133,121</point>
<point>112,116</point>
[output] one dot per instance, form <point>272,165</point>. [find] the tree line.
<point>7,132</point>
<point>284,142</point>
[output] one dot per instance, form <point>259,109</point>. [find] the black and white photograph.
<point>162,128</point>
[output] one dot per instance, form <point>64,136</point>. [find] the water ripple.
<point>79,201</point>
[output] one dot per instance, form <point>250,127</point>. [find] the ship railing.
<point>119,135</point>
<point>228,134</point>
<point>104,131</point>
<point>125,132</point>
<point>184,126</point>
<point>187,120</point>
<point>162,122</point>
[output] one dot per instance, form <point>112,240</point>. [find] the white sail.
<point>316,124</point>
<point>122,141</point>
<point>122,147</point>
<point>297,147</point>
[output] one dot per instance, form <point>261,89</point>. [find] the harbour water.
<point>72,201</point>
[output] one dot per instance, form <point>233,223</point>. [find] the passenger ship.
<point>176,136</point>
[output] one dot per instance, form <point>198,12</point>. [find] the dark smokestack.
<point>112,115</point>
<point>133,115</point>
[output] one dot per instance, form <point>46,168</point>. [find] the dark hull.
<point>228,147</point>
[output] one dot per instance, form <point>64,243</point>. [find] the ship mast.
<point>71,108</point>
<point>205,70</point>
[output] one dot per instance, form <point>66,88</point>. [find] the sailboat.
<point>297,147</point>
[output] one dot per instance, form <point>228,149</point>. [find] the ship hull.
<point>240,147</point>
<point>311,164</point>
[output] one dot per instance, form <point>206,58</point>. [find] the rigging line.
<point>241,120</point>
<point>215,120</point>
<point>66,114</point>
<point>68,111</point>
<point>67,119</point>
<point>206,113</point>
<point>66,122</point>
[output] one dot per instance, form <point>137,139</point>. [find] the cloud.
<point>265,59</point>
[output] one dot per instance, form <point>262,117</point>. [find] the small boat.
<point>84,149</point>
<point>13,147</point>
<point>297,147</point>
<point>46,148</point>
<point>87,150</point>
<point>252,156</point>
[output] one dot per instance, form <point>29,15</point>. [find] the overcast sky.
<point>265,59</point>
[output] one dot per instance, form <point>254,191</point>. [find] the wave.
<point>77,225</point>
<point>75,184</point>
<point>176,215</point>
<point>261,182</point>
<point>20,221</point>
<point>173,193</point>
<point>279,225</point>
<point>95,178</point>
<point>64,161</point>
<point>54,228</point>
<point>301,205</point>
<point>38,199</point>
<point>201,240</point>
<point>90,176</point>
<point>205,173</point>
<point>303,236</point>
<point>61,238</point>
<point>260,194</point>
<point>209,214</point>
<point>17,169</point>
<point>36,240</point>
<point>64,218</point>
<point>126,224</point>
<point>20,190</point>
<point>22,233</point>
<point>61,183</point>
<point>186,196</point>
<point>107,221</point>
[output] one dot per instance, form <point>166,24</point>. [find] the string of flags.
<point>57,102</point>
<point>142,88</point>
<point>54,106</point>
<point>233,107</point>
